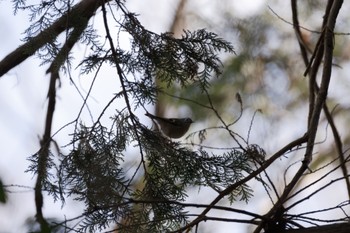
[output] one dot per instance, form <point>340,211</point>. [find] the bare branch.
<point>83,10</point>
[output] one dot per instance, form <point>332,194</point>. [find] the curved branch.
<point>339,147</point>
<point>339,228</point>
<point>83,10</point>
<point>77,18</point>
<point>315,111</point>
<point>314,88</point>
<point>229,189</point>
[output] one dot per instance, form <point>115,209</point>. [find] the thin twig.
<point>232,187</point>
<point>316,110</point>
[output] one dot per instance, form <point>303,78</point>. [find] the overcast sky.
<point>23,104</point>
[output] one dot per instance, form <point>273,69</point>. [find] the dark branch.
<point>83,10</point>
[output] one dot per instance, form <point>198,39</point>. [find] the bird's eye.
<point>188,120</point>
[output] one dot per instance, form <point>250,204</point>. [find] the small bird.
<point>172,127</point>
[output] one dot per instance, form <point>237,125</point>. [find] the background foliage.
<point>264,135</point>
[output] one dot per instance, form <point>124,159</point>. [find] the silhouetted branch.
<point>81,12</point>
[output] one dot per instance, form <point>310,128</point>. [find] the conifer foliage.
<point>151,194</point>
<point>93,171</point>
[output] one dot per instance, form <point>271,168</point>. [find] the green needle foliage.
<point>151,196</point>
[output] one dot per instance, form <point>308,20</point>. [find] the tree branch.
<point>78,18</point>
<point>229,189</point>
<point>44,153</point>
<point>314,88</point>
<point>83,10</point>
<point>315,112</point>
<point>339,228</point>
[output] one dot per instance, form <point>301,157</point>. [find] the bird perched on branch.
<point>172,127</point>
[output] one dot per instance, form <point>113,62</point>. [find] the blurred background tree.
<point>253,156</point>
